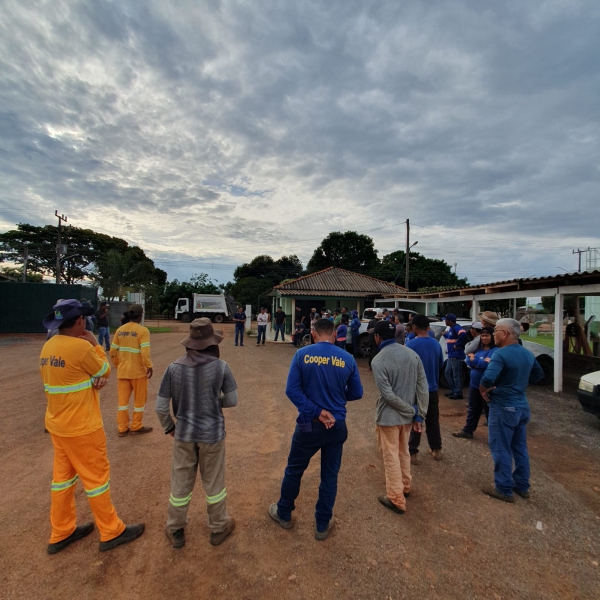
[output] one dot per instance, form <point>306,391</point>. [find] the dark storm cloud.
<point>258,117</point>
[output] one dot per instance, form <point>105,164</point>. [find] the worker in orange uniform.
<point>74,367</point>
<point>130,353</point>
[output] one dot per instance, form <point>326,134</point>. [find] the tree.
<point>118,272</point>
<point>265,267</point>
<point>17,274</point>
<point>503,308</point>
<point>423,273</point>
<point>84,248</point>
<point>349,250</point>
<point>251,290</point>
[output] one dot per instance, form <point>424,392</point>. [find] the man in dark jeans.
<point>279,318</point>
<point>322,378</point>
<point>432,357</point>
<point>102,324</point>
<point>240,322</point>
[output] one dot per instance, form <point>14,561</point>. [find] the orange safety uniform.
<point>68,367</point>
<point>130,353</point>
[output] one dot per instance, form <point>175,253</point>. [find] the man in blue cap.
<point>355,330</point>
<point>456,338</point>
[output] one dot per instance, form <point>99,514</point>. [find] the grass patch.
<point>159,329</point>
<point>544,340</point>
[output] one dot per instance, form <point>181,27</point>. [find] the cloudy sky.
<point>210,132</point>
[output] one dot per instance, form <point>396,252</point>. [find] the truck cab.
<point>216,307</point>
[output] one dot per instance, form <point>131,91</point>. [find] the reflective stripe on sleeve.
<point>135,409</point>
<point>58,486</point>
<point>98,491</point>
<point>68,389</point>
<point>115,346</point>
<point>102,370</point>
<point>220,496</point>
<point>132,350</point>
<point>177,502</point>
<point>145,345</point>
<point>126,407</point>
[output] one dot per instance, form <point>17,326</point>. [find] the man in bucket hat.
<point>199,385</point>
<point>74,367</point>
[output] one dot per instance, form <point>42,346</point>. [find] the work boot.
<point>323,535</point>
<point>132,532</point>
<point>140,430</point>
<point>219,538</point>
<point>123,433</point>
<point>79,533</point>
<point>275,516</point>
<point>448,394</point>
<point>455,397</point>
<point>436,454</point>
<point>177,537</point>
<point>414,459</point>
<point>491,490</point>
<point>389,504</point>
<point>521,493</point>
<point>463,434</point>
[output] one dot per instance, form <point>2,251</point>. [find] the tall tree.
<point>348,250</point>
<point>265,267</point>
<point>423,273</point>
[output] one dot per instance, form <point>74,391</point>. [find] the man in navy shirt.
<point>456,338</point>
<point>504,382</point>
<point>322,378</point>
<point>240,322</point>
<point>432,357</point>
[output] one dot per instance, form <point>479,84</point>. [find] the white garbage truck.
<point>216,307</point>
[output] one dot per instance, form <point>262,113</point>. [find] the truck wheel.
<point>186,318</point>
<point>547,364</point>
<point>364,346</point>
<point>218,319</point>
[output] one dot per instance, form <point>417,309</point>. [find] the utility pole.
<point>25,259</point>
<point>407,257</point>
<point>59,248</point>
<point>580,252</point>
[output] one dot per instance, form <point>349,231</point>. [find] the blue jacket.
<point>355,325</point>
<point>479,364</point>
<point>323,376</point>
<point>456,338</point>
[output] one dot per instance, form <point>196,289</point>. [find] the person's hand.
<point>149,372</point>
<point>100,382</point>
<point>327,419</point>
<point>471,356</point>
<point>417,427</point>
<point>89,337</point>
<point>485,391</point>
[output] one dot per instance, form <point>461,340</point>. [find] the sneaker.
<point>219,538</point>
<point>491,490</point>
<point>79,533</point>
<point>455,397</point>
<point>275,516</point>
<point>463,434</point>
<point>389,504</point>
<point>414,459</point>
<point>177,537</point>
<point>235,344</point>
<point>123,433</point>
<point>140,430</point>
<point>521,493</point>
<point>436,454</point>
<point>132,532</point>
<point>323,535</point>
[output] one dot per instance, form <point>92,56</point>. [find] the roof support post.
<point>475,310</point>
<point>558,342</point>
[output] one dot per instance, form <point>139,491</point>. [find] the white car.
<point>588,393</point>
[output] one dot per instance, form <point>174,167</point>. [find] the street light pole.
<point>61,218</point>
<point>406,257</point>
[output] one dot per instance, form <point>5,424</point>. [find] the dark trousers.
<point>262,332</point>
<point>476,405</point>
<point>239,331</point>
<point>355,345</point>
<point>304,446</point>
<point>432,427</point>
<point>341,344</point>
<point>280,328</point>
<point>507,437</point>
<point>454,375</point>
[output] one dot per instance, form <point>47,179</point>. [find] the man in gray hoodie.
<point>199,385</point>
<point>402,405</point>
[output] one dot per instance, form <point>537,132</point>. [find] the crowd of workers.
<point>322,378</point>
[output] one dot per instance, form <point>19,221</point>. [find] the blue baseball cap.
<point>450,317</point>
<point>65,310</point>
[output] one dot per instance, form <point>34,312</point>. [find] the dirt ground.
<point>453,542</point>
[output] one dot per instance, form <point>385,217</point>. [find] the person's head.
<point>384,330</point>
<point>344,309</point>
<point>297,322</point>
<point>507,332</point>
<point>135,313</point>
<point>240,309</point>
<point>488,318</point>
<point>409,327</point>
<point>345,320</point>
<point>203,337</point>
<point>354,314</point>
<point>279,308</point>
<point>486,336</point>
<point>336,311</point>
<point>68,317</point>
<point>420,324</point>
<point>399,318</point>
<point>476,329</point>
<point>410,316</point>
<point>323,331</point>
<point>385,312</point>
<point>313,310</point>
<point>450,319</point>
<point>395,311</point>
<point>298,309</point>
<point>103,305</point>
<point>263,310</point>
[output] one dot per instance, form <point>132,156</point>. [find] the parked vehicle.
<point>588,393</point>
<point>216,307</point>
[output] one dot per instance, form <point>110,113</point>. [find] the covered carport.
<point>585,283</point>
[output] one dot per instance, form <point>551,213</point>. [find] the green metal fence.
<point>24,305</point>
